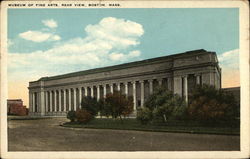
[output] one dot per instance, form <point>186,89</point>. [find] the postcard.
<point>125,79</point>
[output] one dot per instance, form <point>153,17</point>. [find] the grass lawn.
<point>175,126</point>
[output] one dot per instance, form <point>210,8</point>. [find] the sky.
<point>47,42</point>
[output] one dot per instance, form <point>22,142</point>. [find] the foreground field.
<point>47,135</point>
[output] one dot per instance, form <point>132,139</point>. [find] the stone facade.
<point>16,107</point>
<point>54,96</point>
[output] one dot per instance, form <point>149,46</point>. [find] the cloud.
<point>119,32</point>
<point>124,57</point>
<point>116,56</point>
<point>38,36</point>
<point>109,42</point>
<point>51,23</point>
<point>229,62</point>
<point>135,53</point>
<point>230,59</point>
<point>55,37</point>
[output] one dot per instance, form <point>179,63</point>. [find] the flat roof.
<point>122,66</point>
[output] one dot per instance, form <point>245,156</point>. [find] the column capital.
<point>150,80</point>
<point>133,82</point>
<point>103,84</point>
<point>85,86</point>
<point>142,81</point>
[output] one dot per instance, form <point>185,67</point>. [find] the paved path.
<point>47,135</point>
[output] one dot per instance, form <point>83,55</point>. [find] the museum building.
<point>179,73</point>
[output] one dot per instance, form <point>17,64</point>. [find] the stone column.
<point>98,92</point>
<point>92,91</point>
<point>198,79</point>
<point>150,86</point>
<point>134,94</point>
<point>169,84</point>
<point>60,101</point>
<point>160,82</point>
<point>30,103</point>
<point>74,97</point>
<point>47,101</point>
<point>142,93</point>
<point>86,91</point>
<point>50,101</point>
<point>186,88</point>
<point>55,101</point>
<point>70,99</point>
<point>126,88</point>
<point>34,102</point>
<point>111,88</point>
<point>42,102</point>
<point>64,100</point>
<point>118,87</point>
<point>80,95</point>
<point>104,91</point>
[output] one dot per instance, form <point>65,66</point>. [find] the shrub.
<point>179,113</point>
<point>90,104</point>
<point>210,105</point>
<point>162,106</point>
<point>117,105</point>
<point>144,115</point>
<point>71,115</point>
<point>158,98</point>
<point>128,106</point>
<point>83,116</point>
<point>101,107</point>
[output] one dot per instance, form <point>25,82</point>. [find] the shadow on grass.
<point>173,126</point>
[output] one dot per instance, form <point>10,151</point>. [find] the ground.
<point>48,135</point>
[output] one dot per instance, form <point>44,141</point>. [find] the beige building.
<point>54,96</point>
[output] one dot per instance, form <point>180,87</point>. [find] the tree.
<point>83,116</point>
<point>163,106</point>
<point>128,106</point>
<point>118,105</point>
<point>90,104</point>
<point>158,98</point>
<point>144,115</point>
<point>101,107</point>
<point>208,104</point>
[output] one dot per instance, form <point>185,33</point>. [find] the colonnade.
<point>64,99</point>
